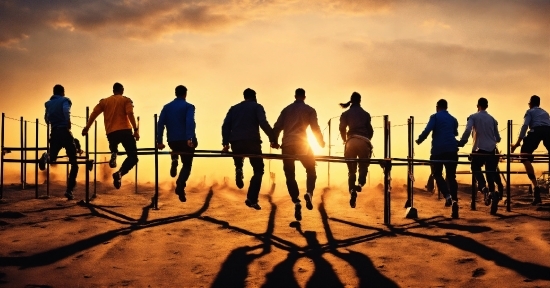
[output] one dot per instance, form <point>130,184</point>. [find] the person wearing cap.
<point>537,121</point>
<point>357,141</point>
<point>118,116</point>
<point>241,134</point>
<point>484,130</point>
<point>179,118</point>
<point>58,115</point>
<point>444,153</point>
<point>294,120</point>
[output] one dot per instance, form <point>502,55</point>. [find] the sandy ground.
<point>214,240</point>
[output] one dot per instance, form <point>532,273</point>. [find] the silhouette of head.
<point>534,101</point>
<point>58,90</point>
<point>354,99</point>
<point>441,105</point>
<point>300,93</point>
<point>249,94</point>
<point>118,89</point>
<point>181,91</point>
<point>482,103</point>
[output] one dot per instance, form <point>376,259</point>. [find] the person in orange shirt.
<point>118,114</point>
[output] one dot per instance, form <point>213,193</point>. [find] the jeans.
<point>450,171</point>
<point>491,162</point>
<point>126,138</point>
<point>62,138</point>
<point>186,160</point>
<point>308,161</point>
<point>250,147</point>
<point>357,148</point>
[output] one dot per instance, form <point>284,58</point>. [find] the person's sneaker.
<point>454,210</point>
<point>448,201</point>
<point>117,180</point>
<point>112,162</point>
<point>252,205</point>
<point>353,198</point>
<point>43,160</point>
<point>174,168</point>
<point>494,206</point>
<point>358,188</point>
<point>90,165</point>
<point>536,196</point>
<point>298,211</point>
<point>239,178</point>
<point>486,196</point>
<point>308,198</point>
<point>69,195</point>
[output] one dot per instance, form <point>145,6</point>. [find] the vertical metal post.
<point>387,167</point>
<point>25,157</point>
<point>508,142</point>
<point>87,138</point>
<point>48,162</point>
<point>36,164</point>
<point>474,192</point>
<point>136,167</point>
<point>329,149</point>
<point>95,159</point>
<point>2,163</point>
<point>410,166</point>
<point>155,200</point>
<point>22,154</point>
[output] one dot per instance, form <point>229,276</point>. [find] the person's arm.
<point>98,109</point>
<point>67,112</point>
<point>429,127</point>
<point>370,130</point>
<point>190,125</point>
<point>467,131</point>
<point>130,114</point>
<point>160,129</point>
<point>456,127</point>
<point>264,124</point>
<point>523,131</point>
<point>316,129</point>
<point>226,129</point>
<point>46,114</point>
<point>278,128</point>
<point>497,133</point>
<point>342,127</point>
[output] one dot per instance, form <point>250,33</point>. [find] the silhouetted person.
<point>294,120</point>
<point>179,118</point>
<point>357,122</point>
<point>118,116</point>
<point>538,122</point>
<point>241,134</point>
<point>484,129</point>
<point>444,152</point>
<point>58,115</point>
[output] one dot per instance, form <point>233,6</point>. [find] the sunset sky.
<point>401,56</point>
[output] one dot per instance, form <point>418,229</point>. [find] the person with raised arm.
<point>293,122</point>
<point>356,132</point>
<point>118,116</point>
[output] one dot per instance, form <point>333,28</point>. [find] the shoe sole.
<point>309,205</point>
<point>353,199</point>
<point>117,182</point>
<point>454,213</point>
<point>69,196</point>
<point>494,206</point>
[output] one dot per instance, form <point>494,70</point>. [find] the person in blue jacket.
<point>444,153</point>
<point>179,118</point>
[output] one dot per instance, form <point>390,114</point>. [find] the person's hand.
<point>461,143</point>
<point>417,141</point>
<point>274,145</point>
<point>322,144</point>
<point>85,131</point>
<point>136,135</point>
<point>160,146</point>
<point>225,148</point>
<point>190,143</point>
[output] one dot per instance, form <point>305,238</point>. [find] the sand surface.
<point>214,240</point>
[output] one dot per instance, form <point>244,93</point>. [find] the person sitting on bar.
<point>357,142</point>
<point>484,129</point>
<point>179,118</point>
<point>241,134</point>
<point>537,120</point>
<point>58,115</point>
<point>444,152</point>
<point>294,120</point>
<point>118,116</point>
